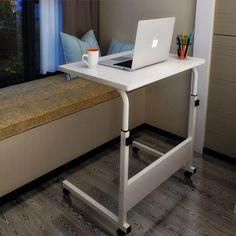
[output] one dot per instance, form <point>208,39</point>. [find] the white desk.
<point>133,190</point>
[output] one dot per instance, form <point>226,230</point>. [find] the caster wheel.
<point>122,233</point>
<point>66,192</point>
<point>135,149</point>
<point>188,174</point>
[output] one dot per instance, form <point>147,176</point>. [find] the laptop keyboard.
<point>127,64</point>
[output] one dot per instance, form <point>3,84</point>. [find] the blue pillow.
<point>74,48</point>
<point>116,46</point>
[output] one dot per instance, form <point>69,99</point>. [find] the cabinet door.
<point>225,17</point>
<point>221,117</point>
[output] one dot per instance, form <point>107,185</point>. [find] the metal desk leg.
<point>124,161</point>
<point>121,220</point>
<point>194,102</point>
<point>161,169</point>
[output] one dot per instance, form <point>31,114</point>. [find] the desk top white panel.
<point>128,81</point>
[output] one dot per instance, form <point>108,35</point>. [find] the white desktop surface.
<point>128,81</point>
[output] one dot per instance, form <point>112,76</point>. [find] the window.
<point>19,41</point>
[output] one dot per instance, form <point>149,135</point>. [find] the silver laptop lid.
<point>153,41</point>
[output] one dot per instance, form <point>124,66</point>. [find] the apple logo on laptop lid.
<point>154,43</point>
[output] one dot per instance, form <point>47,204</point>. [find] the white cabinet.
<point>221,115</point>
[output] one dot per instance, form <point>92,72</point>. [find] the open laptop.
<point>152,45</point>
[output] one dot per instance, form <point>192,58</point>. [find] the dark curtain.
<point>79,16</point>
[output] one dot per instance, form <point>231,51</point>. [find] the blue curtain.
<point>50,27</point>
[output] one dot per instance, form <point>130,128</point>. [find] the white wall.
<point>118,18</point>
<point>221,111</point>
<point>167,101</point>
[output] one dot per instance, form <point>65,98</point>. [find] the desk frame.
<point>133,190</point>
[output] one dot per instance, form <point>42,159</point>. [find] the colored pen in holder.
<point>183,41</point>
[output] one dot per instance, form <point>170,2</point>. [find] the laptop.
<point>152,45</point>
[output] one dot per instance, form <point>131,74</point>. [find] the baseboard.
<point>177,138</point>
<point>164,133</point>
<point>219,155</point>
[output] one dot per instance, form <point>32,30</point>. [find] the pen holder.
<point>183,41</point>
<point>182,51</point>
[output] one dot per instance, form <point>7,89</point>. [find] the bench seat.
<point>45,124</point>
<point>31,104</point>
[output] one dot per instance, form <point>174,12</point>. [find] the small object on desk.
<point>183,41</point>
<point>91,58</point>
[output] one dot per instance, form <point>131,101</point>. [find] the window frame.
<point>29,43</point>
<point>29,47</point>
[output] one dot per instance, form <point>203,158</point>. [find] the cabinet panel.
<point>221,129</point>
<point>225,17</point>
<point>221,144</point>
<point>223,93</point>
<point>221,116</point>
<point>223,65</point>
<point>222,122</point>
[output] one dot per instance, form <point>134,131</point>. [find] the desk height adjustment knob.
<point>197,103</point>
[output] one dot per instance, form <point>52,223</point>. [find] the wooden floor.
<point>203,206</point>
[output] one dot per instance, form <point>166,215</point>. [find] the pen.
<point>187,46</point>
<point>178,43</point>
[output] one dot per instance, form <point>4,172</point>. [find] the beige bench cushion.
<point>35,103</point>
